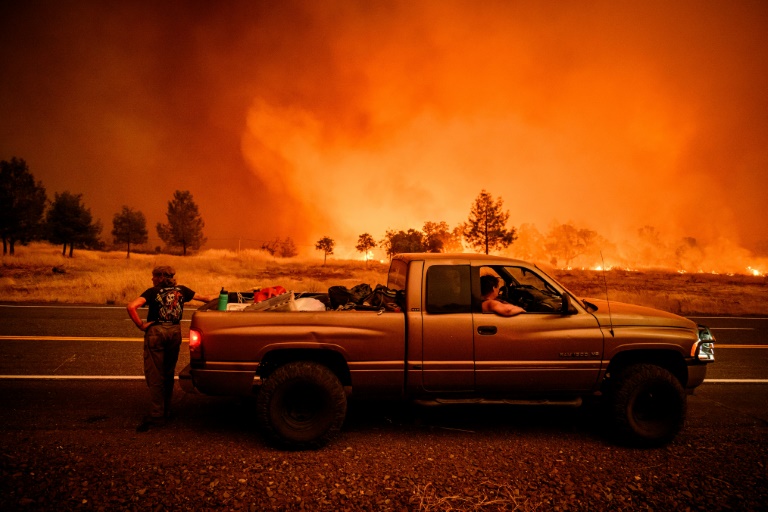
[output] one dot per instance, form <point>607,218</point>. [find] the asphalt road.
<point>66,342</point>
<point>46,340</point>
<point>71,393</point>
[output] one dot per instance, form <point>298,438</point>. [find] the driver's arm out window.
<point>448,289</point>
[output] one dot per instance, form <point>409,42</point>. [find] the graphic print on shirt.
<point>170,305</point>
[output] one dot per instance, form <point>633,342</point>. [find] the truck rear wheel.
<point>648,405</point>
<point>301,405</point>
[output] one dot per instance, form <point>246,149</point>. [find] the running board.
<point>574,402</point>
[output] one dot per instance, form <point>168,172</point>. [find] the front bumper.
<point>223,382</point>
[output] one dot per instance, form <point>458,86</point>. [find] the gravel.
<point>387,458</point>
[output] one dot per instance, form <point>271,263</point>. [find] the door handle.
<point>486,330</point>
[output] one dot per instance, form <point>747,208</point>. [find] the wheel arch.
<point>668,359</point>
<point>329,358</point>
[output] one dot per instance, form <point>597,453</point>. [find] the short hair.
<point>488,283</point>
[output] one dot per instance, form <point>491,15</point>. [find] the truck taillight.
<point>195,344</point>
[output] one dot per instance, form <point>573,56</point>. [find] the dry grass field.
<point>111,278</point>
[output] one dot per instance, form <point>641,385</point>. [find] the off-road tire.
<point>648,405</point>
<point>301,405</point>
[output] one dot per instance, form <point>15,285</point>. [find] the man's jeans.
<point>161,352</point>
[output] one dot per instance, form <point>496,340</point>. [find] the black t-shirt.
<point>167,304</point>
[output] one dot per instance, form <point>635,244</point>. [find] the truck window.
<point>448,289</point>
<point>530,291</point>
<point>397,272</point>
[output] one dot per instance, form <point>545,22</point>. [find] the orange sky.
<point>307,118</point>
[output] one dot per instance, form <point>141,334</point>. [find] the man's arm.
<point>205,298</point>
<point>504,309</point>
<point>132,307</point>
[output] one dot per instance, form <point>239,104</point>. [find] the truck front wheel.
<point>648,405</point>
<point>301,405</point>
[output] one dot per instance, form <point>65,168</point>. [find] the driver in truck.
<point>489,289</point>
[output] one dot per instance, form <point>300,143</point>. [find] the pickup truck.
<point>440,348</point>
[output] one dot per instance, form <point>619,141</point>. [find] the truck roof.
<point>447,256</point>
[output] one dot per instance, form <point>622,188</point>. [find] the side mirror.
<point>566,304</point>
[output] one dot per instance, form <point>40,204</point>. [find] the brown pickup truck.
<point>441,348</point>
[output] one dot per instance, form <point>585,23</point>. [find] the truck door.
<point>447,350</point>
<point>541,350</point>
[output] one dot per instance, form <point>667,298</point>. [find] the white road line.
<point>729,317</point>
<point>70,306</point>
<point>72,377</point>
<point>72,338</point>
<point>735,381</point>
<point>721,346</point>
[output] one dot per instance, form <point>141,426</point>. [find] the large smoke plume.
<point>306,119</point>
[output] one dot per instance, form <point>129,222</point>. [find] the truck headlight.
<point>704,348</point>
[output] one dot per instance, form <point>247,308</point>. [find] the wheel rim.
<point>654,408</point>
<point>303,407</point>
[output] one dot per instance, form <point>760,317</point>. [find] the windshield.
<point>566,290</point>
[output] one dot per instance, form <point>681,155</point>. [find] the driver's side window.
<point>529,291</point>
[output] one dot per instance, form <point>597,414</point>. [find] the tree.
<point>486,227</point>
<point>689,255</point>
<point>565,242</point>
<point>283,248</point>
<point>129,227</point>
<point>185,225</point>
<point>365,243</point>
<point>651,250</point>
<point>69,222</point>
<point>326,245</point>
<point>22,203</point>
<point>438,237</point>
<point>287,248</point>
<point>530,243</point>
<point>396,242</point>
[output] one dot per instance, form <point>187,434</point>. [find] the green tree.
<point>69,222</point>
<point>129,227</point>
<point>22,204</point>
<point>486,228</point>
<point>185,225</point>
<point>566,242</point>
<point>365,243</point>
<point>396,242</point>
<point>326,245</point>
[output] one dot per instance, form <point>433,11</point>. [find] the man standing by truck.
<point>162,339</point>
